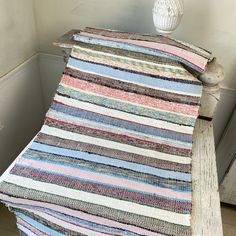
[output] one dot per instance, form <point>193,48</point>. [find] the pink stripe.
<point>78,214</point>
<point>87,175</point>
<point>130,97</point>
<point>186,55</point>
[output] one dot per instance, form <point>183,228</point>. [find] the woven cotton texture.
<point>190,55</point>
<point>114,154</point>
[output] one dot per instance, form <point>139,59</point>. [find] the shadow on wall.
<point>21,110</point>
<point>134,15</point>
<point>6,23</point>
<point>195,24</point>
<point>54,19</point>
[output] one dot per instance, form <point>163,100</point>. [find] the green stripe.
<point>126,107</point>
<point>141,64</point>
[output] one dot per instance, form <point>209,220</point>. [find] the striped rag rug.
<point>114,154</point>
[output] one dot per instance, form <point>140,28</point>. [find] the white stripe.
<point>109,128</point>
<point>160,214</point>
<point>143,85</point>
<point>113,145</point>
<point>124,116</point>
<point>62,223</point>
<point>25,230</point>
<point>179,52</point>
<point>197,49</point>
<point>125,101</point>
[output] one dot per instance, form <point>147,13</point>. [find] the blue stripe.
<point>176,188</point>
<point>99,118</point>
<point>41,227</point>
<point>99,227</point>
<point>132,77</point>
<point>112,162</point>
<point>134,48</point>
<point>105,184</point>
<point>80,222</point>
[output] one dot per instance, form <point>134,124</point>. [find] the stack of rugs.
<point>114,154</point>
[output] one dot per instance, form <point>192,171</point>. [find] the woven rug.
<point>165,47</point>
<point>114,154</point>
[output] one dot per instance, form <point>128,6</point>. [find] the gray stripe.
<point>109,213</point>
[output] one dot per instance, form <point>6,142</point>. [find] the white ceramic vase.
<point>167,15</point>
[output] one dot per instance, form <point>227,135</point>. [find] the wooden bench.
<point>206,215</point>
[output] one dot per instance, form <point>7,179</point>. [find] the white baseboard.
<point>21,109</point>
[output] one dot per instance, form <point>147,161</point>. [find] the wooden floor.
<point>7,222</point>
<point>8,226</point>
<point>229,219</point>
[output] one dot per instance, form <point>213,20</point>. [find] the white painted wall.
<point>17,33</point>
<point>51,68</point>
<point>21,104</point>
<point>55,17</point>
<point>210,24</point>
<point>21,109</point>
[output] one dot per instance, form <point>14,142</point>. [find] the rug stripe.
<point>188,89</point>
<point>172,217</point>
<point>127,118</point>
<point>114,145</point>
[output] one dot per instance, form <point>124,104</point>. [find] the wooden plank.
<point>66,41</point>
<point>206,215</point>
